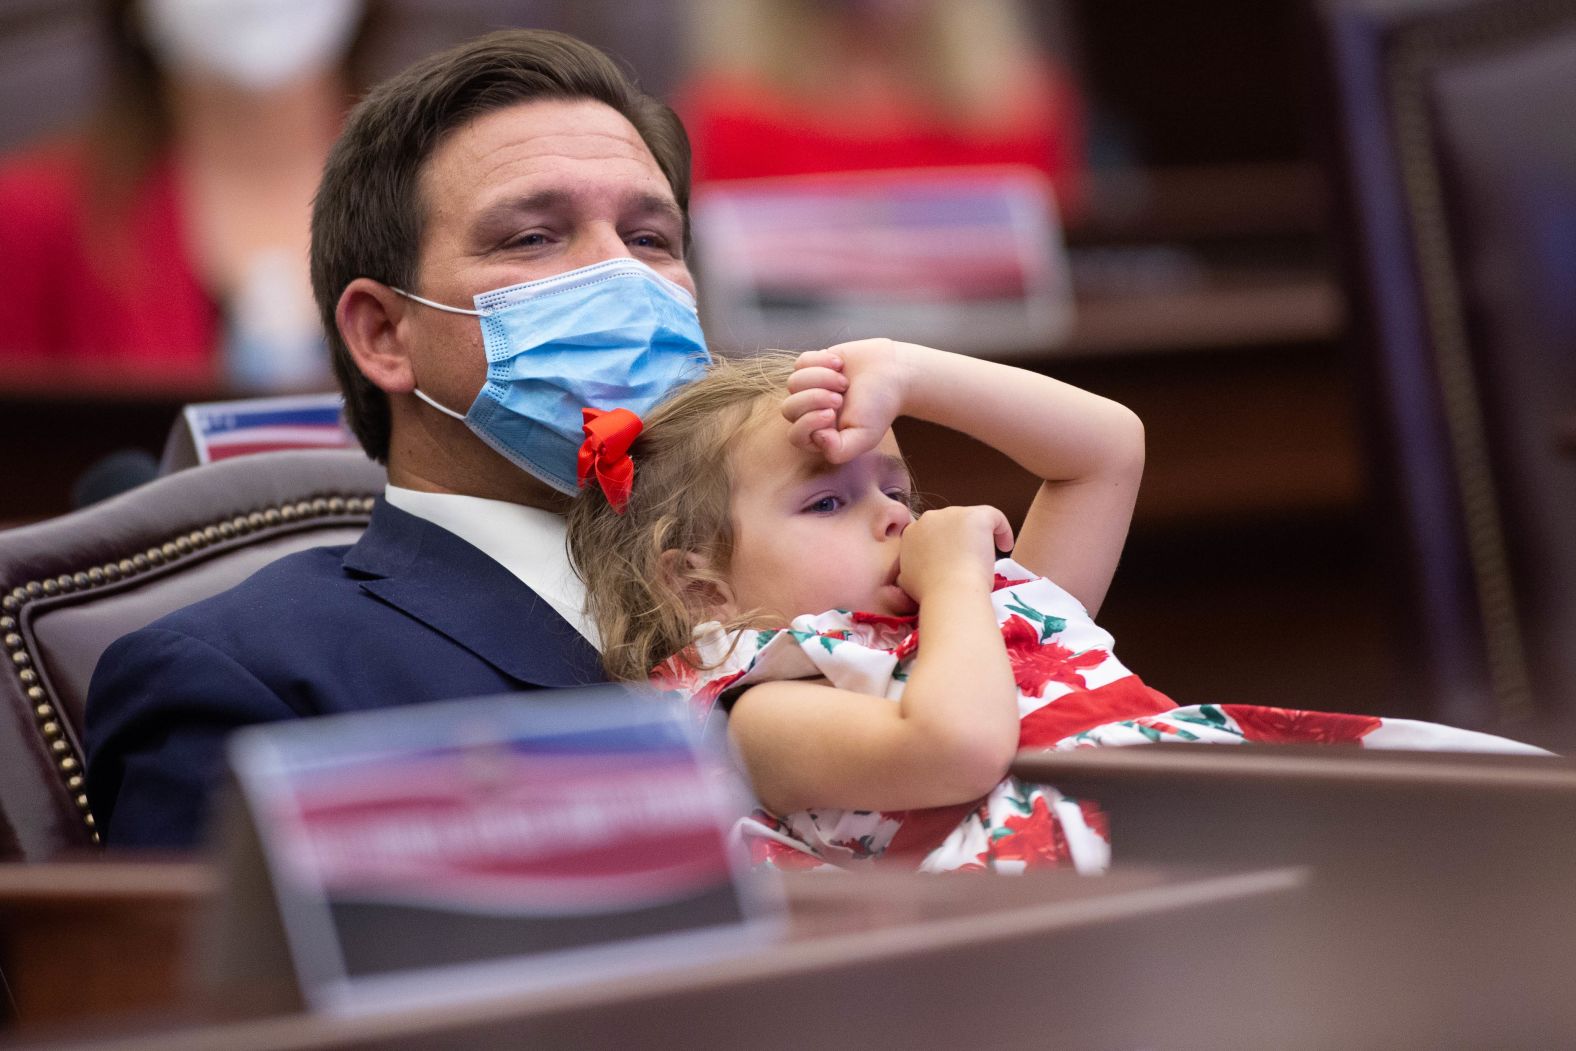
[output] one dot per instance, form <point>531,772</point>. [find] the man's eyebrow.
<point>656,204</point>
<point>509,209</point>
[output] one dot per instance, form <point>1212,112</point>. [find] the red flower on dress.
<point>675,673</point>
<point>706,697</point>
<point>781,856</point>
<point>881,632</point>
<point>1036,839</point>
<point>678,675</point>
<point>1000,582</point>
<point>1095,818</point>
<point>898,624</point>
<point>1294,726</point>
<point>1036,663</point>
<point>1073,713</point>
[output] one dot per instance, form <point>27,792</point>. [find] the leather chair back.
<point>1454,159</point>
<point>72,585</point>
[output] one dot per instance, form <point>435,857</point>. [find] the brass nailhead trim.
<point>50,727</point>
<point>1475,479</point>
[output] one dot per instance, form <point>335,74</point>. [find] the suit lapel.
<point>457,590</point>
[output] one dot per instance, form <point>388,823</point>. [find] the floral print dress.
<point>1072,693</point>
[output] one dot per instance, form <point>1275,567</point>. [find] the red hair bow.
<point>605,451</point>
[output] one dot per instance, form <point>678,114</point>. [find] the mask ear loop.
<point>439,306</point>
<point>441,408</point>
<point>452,310</point>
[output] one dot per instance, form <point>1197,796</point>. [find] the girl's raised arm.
<point>1087,450</point>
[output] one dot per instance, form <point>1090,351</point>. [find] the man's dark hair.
<point>368,217</point>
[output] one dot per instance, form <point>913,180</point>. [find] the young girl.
<point>768,557</point>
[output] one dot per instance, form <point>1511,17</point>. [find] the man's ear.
<point>370,317</point>
<point>690,573</point>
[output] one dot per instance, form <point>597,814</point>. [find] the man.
<point>518,157</point>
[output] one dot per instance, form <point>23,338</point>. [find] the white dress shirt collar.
<point>527,541</point>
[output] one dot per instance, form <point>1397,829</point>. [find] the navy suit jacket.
<point>409,613</point>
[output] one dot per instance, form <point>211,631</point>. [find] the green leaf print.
<point>1203,715</point>
<point>1150,733</point>
<point>1049,624</point>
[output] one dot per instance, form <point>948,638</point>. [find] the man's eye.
<point>530,240</point>
<point>824,506</point>
<point>653,241</point>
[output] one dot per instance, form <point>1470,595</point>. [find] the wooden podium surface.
<point>870,961</point>
<point>1459,815</point>
<point>1352,899</point>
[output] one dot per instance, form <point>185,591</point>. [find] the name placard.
<point>208,432</point>
<point>446,852</point>
<point>969,259</point>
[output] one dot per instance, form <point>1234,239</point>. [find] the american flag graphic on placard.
<point>224,429</point>
<point>970,259</point>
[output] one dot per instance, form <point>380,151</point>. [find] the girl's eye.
<point>824,506</point>
<point>906,498</point>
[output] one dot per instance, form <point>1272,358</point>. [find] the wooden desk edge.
<point>1136,899</point>
<point>1310,765</point>
<point>109,880</point>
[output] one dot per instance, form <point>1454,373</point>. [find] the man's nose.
<point>597,245</point>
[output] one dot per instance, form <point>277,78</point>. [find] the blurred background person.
<point>166,241</point>
<point>793,87</point>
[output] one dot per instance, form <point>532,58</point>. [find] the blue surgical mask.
<point>611,335</point>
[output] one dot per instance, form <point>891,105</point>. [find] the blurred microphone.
<point>119,471</point>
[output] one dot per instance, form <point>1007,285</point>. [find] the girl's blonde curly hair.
<point>644,601</point>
